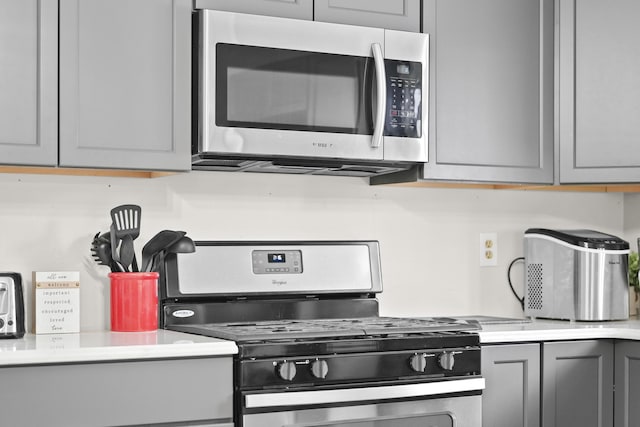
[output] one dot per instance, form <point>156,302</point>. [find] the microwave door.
<point>276,99</point>
<point>407,75</point>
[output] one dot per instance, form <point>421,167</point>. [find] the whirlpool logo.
<point>279,282</point>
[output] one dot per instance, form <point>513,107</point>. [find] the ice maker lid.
<point>584,238</point>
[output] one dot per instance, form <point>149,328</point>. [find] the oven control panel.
<point>277,261</point>
<point>358,368</point>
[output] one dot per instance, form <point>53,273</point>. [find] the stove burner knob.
<point>446,361</point>
<point>319,368</point>
<point>286,370</point>
<point>418,362</point>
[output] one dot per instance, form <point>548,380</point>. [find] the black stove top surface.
<point>327,328</point>
<point>329,336</point>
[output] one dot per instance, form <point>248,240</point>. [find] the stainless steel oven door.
<point>417,405</point>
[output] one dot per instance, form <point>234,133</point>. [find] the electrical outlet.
<point>488,249</point>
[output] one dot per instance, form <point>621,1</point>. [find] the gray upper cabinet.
<point>492,94</point>
<point>125,84</point>
<point>599,91</point>
<point>401,15</point>
<point>512,394</point>
<point>297,9</point>
<point>577,384</point>
<point>29,82</point>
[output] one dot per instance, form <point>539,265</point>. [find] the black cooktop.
<point>326,328</point>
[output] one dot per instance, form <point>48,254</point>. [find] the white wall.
<point>428,237</point>
<point>632,219</point>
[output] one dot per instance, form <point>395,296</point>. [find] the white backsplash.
<point>428,236</point>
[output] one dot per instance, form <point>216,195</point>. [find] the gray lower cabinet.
<point>627,380</point>
<point>577,384</point>
<point>512,394</point>
<point>29,82</point>
<point>125,84</point>
<point>403,15</point>
<point>296,9</point>
<point>558,384</point>
<point>491,98</point>
<point>599,91</point>
<point>184,392</point>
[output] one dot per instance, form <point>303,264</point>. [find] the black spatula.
<point>126,227</point>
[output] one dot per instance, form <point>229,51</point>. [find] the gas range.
<point>305,318</point>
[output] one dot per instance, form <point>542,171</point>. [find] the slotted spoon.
<point>125,229</point>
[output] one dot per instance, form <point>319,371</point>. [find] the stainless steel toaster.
<point>11,306</point>
<point>576,275</point>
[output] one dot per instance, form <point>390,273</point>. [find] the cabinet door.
<point>297,9</point>
<point>29,82</point>
<point>197,392</point>
<point>491,81</point>
<point>599,98</point>
<point>401,15</point>
<point>125,84</point>
<point>512,394</point>
<point>577,384</point>
<point>627,380</point>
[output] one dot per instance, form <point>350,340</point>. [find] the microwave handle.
<point>381,88</point>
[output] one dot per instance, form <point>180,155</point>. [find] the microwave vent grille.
<point>534,286</point>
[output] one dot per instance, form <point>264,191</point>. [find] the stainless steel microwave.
<point>285,95</point>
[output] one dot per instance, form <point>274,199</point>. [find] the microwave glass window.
<point>293,90</point>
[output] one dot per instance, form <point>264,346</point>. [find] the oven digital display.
<point>276,258</point>
<point>277,261</point>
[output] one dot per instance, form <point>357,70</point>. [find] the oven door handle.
<point>300,398</point>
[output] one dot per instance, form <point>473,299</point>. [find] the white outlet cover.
<point>488,249</point>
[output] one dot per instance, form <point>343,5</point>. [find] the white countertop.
<point>122,346</point>
<point>109,346</point>
<point>554,330</point>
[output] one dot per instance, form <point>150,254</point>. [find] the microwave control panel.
<point>404,99</point>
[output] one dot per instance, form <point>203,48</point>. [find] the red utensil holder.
<point>134,302</point>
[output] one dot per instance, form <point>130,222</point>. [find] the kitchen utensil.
<point>156,244</point>
<point>113,242</point>
<point>182,246</point>
<point>101,250</point>
<point>125,222</point>
<point>127,252</point>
